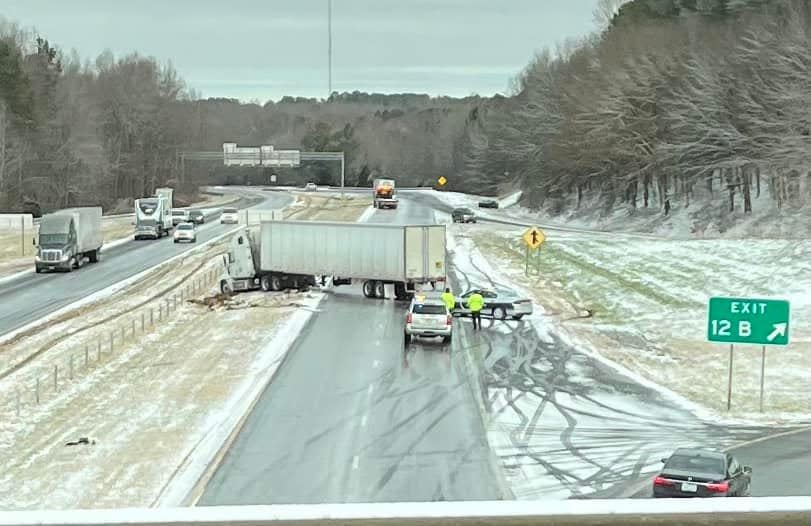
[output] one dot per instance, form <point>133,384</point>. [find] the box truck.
<point>290,254</point>
<point>68,238</point>
<point>383,194</point>
<point>153,215</point>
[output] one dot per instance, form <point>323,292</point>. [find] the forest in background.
<point>673,104</point>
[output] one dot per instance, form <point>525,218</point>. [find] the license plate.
<point>687,486</point>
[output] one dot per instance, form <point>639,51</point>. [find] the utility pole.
<point>329,45</point>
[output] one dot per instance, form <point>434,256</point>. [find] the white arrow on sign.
<point>779,330</point>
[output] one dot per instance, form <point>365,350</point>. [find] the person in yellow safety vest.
<point>475,303</point>
<point>449,300</point>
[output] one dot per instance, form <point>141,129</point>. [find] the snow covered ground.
<point>568,416</point>
<point>706,217</point>
<point>158,402</point>
<point>648,302</point>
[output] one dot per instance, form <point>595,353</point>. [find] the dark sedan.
<point>693,472</point>
<point>463,215</point>
<point>197,216</point>
<point>488,203</point>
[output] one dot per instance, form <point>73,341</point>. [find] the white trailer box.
<point>87,221</point>
<point>169,194</point>
<point>288,254</point>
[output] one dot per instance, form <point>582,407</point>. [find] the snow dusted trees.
<point>675,97</point>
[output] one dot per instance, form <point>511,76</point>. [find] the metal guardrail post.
<point>56,377</point>
<point>36,391</point>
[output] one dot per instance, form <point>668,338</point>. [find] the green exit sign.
<point>748,320</point>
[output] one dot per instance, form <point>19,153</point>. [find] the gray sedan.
<point>500,304</point>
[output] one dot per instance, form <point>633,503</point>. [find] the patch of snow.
<point>367,214</point>
<point>221,425</point>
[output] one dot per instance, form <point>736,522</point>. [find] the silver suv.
<point>428,317</point>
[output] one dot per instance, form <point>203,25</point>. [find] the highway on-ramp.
<point>32,296</point>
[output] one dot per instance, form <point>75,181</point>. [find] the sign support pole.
<point>762,373</point>
<point>729,388</point>
<point>526,261</point>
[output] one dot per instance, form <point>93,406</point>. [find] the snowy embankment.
<point>561,422</point>
<point>159,402</point>
<point>707,217</point>
<point>641,304</point>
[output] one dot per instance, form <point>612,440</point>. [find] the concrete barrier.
<point>774,511</point>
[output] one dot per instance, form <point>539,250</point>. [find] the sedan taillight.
<point>661,481</point>
<point>721,487</point>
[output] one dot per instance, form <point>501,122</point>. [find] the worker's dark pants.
<point>477,319</point>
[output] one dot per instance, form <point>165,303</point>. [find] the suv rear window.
<point>422,308</point>
<point>229,210</point>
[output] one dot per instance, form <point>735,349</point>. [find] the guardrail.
<point>781,511</point>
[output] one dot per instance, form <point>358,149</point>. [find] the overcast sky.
<point>264,49</point>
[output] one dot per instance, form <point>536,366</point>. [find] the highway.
<point>350,417</point>
<point>33,296</point>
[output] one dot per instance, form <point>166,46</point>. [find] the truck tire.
<point>406,338</point>
<point>38,269</point>
<point>71,263</point>
<point>275,283</point>
<point>264,283</point>
<point>400,293</point>
<point>94,255</point>
<point>225,287</point>
<point>447,339</point>
<point>369,288</point>
<point>380,290</point>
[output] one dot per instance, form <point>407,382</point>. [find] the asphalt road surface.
<point>32,296</point>
<point>780,465</point>
<point>352,417</point>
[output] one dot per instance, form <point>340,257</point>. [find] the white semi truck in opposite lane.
<point>290,254</point>
<point>153,215</point>
<point>68,239</point>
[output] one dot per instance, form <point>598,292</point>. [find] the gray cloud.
<point>268,48</point>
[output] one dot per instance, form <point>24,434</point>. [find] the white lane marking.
<point>371,388</point>
<point>363,421</point>
<point>355,462</point>
<point>376,364</point>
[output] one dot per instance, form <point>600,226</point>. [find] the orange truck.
<point>384,196</point>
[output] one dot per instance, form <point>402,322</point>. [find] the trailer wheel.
<point>265,283</point>
<point>369,288</point>
<point>400,293</point>
<point>275,283</point>
<point>380,289</point>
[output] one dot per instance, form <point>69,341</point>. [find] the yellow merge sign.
<point>534,237</point>
<point>441,181</point>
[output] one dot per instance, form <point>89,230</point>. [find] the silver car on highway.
<point>428,317</point>
<point>185,232</point>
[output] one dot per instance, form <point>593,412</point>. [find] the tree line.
<point>76,132</point>
<point>674,101</point>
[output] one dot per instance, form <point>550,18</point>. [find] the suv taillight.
<point>450,320</point>
<point>408,318</point>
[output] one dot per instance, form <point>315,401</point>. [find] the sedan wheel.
<point>500,313</point>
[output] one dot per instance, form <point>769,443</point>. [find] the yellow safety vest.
<point>475,302</point>
<point>449,300</point>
